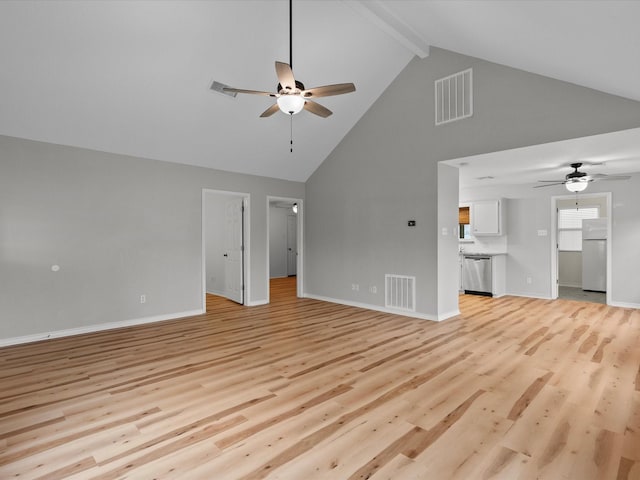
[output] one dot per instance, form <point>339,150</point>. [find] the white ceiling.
<point>133,77</point>
<point>610,154</point>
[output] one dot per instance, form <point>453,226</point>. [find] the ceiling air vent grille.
<point>454,97</point>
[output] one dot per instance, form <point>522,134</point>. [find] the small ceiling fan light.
<point>290,104</point>
<point>576,186</point>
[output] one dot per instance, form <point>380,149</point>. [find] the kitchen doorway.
<point>581,261</point>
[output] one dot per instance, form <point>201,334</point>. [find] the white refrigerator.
<point>594,255</point>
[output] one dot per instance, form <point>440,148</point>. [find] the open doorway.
<point>284,246</point>
<point>581,246</point>
<point>225,239</point>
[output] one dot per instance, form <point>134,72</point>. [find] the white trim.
<point>379,15</point>
<point>256,303</point>
<point>570,285</point>
<point>378,308</point>
<point>219,294</point>
<point>445,316</point>
<point>4,342</point>
<point>625,304</point>
<point>529,295</point>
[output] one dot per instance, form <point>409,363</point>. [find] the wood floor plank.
<point>512,388</point>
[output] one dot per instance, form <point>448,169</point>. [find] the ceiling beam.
<point>377,13</point>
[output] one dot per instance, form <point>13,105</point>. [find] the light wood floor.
<point>513,388</point>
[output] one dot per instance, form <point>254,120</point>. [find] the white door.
<point>233,254</point>
<point>292,245</point>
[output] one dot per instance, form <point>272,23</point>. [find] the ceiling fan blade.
<point>329,90</point>
<point>317,109</point>
<point>549,184</point>
<point>270,111</point>
<point>551,181</point>
<point>285,76</point>
<point>602,176</point>
<point>252,92</point>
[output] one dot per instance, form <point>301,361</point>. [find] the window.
<point>464,223</point>
<point>570,227</point>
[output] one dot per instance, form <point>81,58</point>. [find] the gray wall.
<point>118,227</point>
<point>448,274</point>
<point>385,172</point>
<point>529,210</point>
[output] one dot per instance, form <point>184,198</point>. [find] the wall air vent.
<point>219,87</point>
<point>400,292</point>
<point>454,97</point>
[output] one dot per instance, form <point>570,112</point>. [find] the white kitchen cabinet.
<point>487,218</point>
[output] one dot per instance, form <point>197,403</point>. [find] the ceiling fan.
<point>577,181</point>
<point>291,95</point>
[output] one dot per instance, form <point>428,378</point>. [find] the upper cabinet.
<point>487,218</point>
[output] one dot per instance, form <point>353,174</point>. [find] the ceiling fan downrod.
<point>291,65</point>
<point>291,34</point>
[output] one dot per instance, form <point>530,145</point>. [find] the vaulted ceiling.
<point>133,77</point>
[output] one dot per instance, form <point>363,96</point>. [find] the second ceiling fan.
<point>291,95</point>
<point>577,181</point>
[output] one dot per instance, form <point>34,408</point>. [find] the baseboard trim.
<point>256,303</point>
<point>376,308</point>
<point>219,294</point>
<point>625,304</point>
<point>36,337</point>
<point>445,316</point>
<point>529,295</point>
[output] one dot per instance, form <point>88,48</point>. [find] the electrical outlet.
<point>373,289</point>
<point>355,287</point>
<point>529,280</point>
<point>143,298</point>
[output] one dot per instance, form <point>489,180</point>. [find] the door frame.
<point>246,236</point>
<point>299,244</point>
<point>554,239</point>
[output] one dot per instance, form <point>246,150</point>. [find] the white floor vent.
<point>400,292</point>
<point>454,97</point>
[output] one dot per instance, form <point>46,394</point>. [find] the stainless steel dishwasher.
<point>477,275</point>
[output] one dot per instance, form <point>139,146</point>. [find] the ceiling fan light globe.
<point>576,186</point>
<point>290,104</point>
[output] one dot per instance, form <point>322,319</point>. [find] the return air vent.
<point>400,292</point>
<point>219,87</point>
<point>454,97</point>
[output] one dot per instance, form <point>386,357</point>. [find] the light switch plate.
<point>542,233</point>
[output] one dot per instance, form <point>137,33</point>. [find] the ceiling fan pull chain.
<point>291,132</point>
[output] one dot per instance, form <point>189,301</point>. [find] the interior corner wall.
<point>448,267</point>
<point>118,227</point>
<point>384,172</point>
